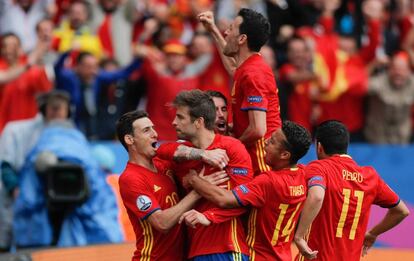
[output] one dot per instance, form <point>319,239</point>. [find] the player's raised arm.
<point>207,19</point>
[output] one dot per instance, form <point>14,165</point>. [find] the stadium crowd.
<point>346,60</point>
<point>70,69</point>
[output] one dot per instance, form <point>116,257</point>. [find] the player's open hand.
<point>193,217</point>
<point>207,19</point>
<point>369,240</point>
<point>304,248</point>
<point>216,158</point>
<point>215,178</point>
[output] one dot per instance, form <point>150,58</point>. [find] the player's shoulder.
<point>229,142</point>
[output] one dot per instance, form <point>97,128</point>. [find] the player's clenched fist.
<point>207,19</point>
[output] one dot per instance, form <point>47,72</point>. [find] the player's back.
<point>272,223</point>
<point>350,190</point>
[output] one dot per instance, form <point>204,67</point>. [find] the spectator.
<point>111,21</point>
<point>44,32</point>
<point>17,97</point>
<point>75,29</point>
<point>297,76</point>
<point>390,98</point>
<point>21,17</point>
<point>166,77</point>
<point>85,83</point>
<point>17,140</point>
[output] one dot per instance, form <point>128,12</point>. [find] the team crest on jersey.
<point>254,99</point>
<point>143,203</point>
<point>243,189</point>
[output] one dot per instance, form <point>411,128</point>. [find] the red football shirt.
<point>277,198</point>
<point>226,231</point>
<point>144,192</point>
<point>339,229</point>
<point>255,89</point>
<point>299,100</point>
<point>161,92</point>
<point>18,97</point>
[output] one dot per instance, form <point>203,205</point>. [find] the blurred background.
<point>69,69</point>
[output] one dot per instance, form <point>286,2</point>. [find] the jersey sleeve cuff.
<point>253,109</point>
<point>391,206</point>
<point>319,185</point>
<point>149,214</point>
<point>238,199</point>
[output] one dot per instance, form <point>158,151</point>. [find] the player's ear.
<point>285,155</point>
<point>199,122</point>
<point>242,39</point>
<point>319,148</point>
<point>128,139</point>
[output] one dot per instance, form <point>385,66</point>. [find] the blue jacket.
<point>68,80</point>
<point>95,221</point>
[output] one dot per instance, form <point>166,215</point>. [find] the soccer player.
<point>149,192</point>
<point>276,196</point>
<point>255,103</point>
<point>222,114</point>
<point>225,238</point>
<point>340,195</point>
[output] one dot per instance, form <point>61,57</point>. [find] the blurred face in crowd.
<point>10,48</point>
<point>87,68</point>
<point>45,30</point>
<point>269,56</point>
<point>176,62</point>
<point>399,71</point>
<point>25,4</point>
<point>78,15</point>
<point>201,45</point>
<point>347,44</point>
<point>232,35</point>
<point>298,53</point>
<point>57,109</point>
<point>221,115</point>
<point>109,5</point>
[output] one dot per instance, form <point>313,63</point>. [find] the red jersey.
<point>226,231</point>
<point>161,92</point>
<point>255,89</point>
<point>299,101</point>
<point>144,192</point>
<point>339,229</point>
<point>18,97</point>
<point>277,198</point>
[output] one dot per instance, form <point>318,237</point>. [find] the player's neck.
<point>142,161</point>
<point>204,139</point>
<point>243,55</point>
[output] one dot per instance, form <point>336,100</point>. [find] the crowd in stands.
<point>347,60</point>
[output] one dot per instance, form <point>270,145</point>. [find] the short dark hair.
<point>298,140</point>
<point>217,94</point>
<point>124,124</point>
<point>256,27</point>
<point>200,105</point>
<point>81,56</point>
<point>333,136</point>
<point>9,34</point>
<point>45,99</point>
